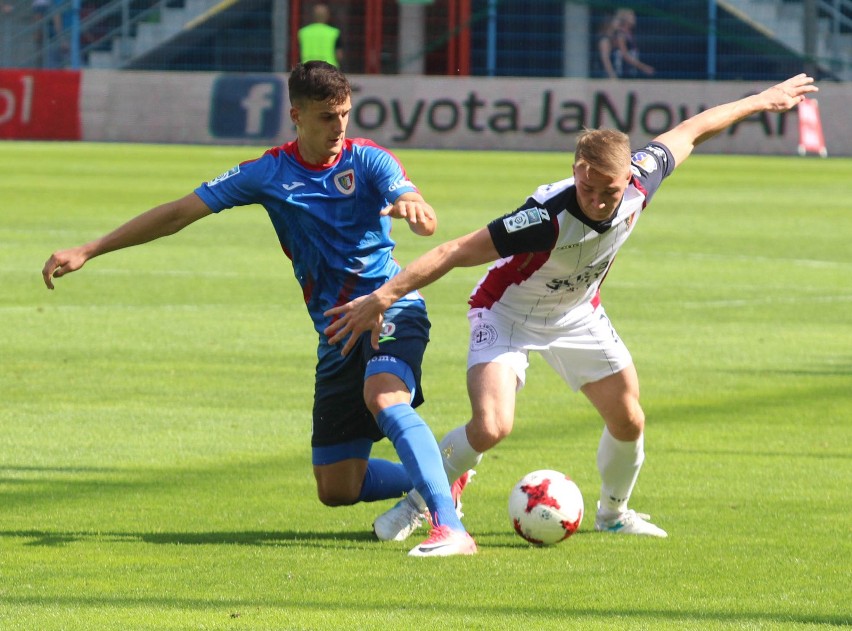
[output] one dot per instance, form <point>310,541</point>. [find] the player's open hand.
<point>417,212</point>
<point>61,263</point>
<point>789,93</point>
<point>362,314</point>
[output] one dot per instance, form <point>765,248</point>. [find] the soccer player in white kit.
<point>543,294</point>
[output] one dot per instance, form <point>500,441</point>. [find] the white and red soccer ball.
<point>545,507</point>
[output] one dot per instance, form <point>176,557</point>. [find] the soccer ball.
<point>545,507</point>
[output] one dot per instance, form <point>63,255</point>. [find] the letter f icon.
<point>258,101</point>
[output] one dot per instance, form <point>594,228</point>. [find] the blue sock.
<point>418,450</point>
<point>384,480</point>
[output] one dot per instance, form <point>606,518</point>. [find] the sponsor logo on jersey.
<point>569,246</point>
<point>525,218</point>
<point>580,281</point>
<point>645,161</point>
<point>565,284</point>
<point>224,176</point>
<point>345,182</point>
<point>483,335</point>
<point>400,184</point>
<point>292,186</point>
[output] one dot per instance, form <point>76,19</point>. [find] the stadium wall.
<point>395,111</point>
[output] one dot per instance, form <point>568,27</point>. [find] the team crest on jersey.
<point>224,176</point>
<point>644,161</point>
<point>525,218</point>
<point>345,182</point>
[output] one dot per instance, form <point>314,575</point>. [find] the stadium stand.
<point>682,39</point>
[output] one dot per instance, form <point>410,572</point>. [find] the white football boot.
<point>399,521</point>
<point>628,522</point>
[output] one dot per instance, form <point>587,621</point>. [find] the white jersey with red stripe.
<point>554,258</point>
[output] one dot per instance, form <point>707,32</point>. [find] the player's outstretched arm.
<point>416,211</point>
<point>366,313</point>
<point>158,222</point>
<point>683,138</point>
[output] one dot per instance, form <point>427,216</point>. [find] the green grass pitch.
<point>154,454</point>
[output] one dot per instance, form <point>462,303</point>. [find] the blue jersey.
<point>327,218</point>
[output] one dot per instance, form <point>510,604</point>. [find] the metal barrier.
<point>681,39</point>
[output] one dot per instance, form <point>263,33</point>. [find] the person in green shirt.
<point>319,40</point>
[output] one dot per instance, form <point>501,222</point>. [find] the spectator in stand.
<point>58,42</point>
<point>617,49</point>
<point>319,41</point>
<point>40,9</point>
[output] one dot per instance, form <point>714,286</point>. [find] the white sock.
<point>619,462</point>
<point>457,453</point>
<point>458,457</point>
<point>417,501</point>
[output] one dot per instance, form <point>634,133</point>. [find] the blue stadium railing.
<point>508,38</point>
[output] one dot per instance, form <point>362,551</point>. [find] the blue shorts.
<point>340,414</point>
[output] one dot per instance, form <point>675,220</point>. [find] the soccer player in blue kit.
<point>331,200</point>
<point>543,295</point>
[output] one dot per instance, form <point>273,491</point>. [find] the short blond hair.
<point>604,150</point>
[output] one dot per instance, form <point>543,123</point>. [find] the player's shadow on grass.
<point>493,539</point>
<point>243,538</point>
<point>253,538</point>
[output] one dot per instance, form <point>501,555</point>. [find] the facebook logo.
<point>246,106</point>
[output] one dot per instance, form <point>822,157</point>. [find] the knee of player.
<point>629,425</point>
<point>484,431</point>
<point>384,390</point>
<point>385,400</point>
<point>636,416</point>
<point>338,490</point>
<point>337,496</point>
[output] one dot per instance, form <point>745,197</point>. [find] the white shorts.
<point>585,352</point>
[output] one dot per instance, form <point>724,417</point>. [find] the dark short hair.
<point>318,81</point>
